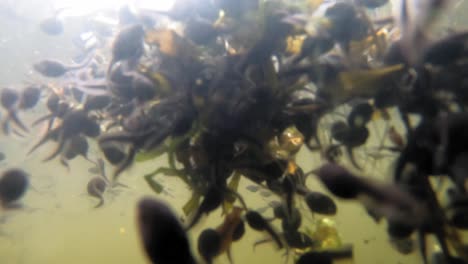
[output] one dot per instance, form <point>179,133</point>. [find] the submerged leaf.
<point>149,155</point>
<point>170,43</point>
<point>231,198</point>
<point>361,82</point>
<point>158,188</point>
<point>294,44</point>
<point>365,81</point>
<point>154,185</point>
<point>192,204</point>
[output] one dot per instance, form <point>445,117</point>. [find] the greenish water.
<point>59,224</point>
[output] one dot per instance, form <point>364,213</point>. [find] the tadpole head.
<point>8,98</point>
<point>339,181</point>
<point>112,153</point>
<point>13,185</point>
<point>30,97</point>
<point>163,237</point>
<point>209,244</point>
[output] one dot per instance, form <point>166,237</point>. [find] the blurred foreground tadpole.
<point>163,237</point>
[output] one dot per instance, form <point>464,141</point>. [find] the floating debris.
<point>253,188</point>
<point>266,194</point>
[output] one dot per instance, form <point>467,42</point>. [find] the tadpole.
<point>96,187</point>
<point>209,244</point>
<point>128,44</point>
<point>163,237</point>
<point>257,222</point>
<point>213,198</point>
<point>13,184</point>
<point>54,69</point>
<point>9,99</point>
<point>30,97</point>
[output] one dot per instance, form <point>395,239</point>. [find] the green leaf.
<point>154,185</point>
<point>191,204</point>
<point>149,155</point>
<point>157,187</point>
<point>233,185</point>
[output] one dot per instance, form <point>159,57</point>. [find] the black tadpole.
<point>30,97</point>
<point>97,102</point>
<point>113,154</point>
<point>360,115</point>
<point>126,162</point>
<point>9,99</point>
<point>13,185</point>
<point>326,256</point>
<point>209,244</point>
<point>320,203</point>
<point>340,181</point>
<point>96,187</point>
<point>314,258</point>
<point>289,189</point>
<point>299,240</point>
<point>213,198</point>
<point>128,45</point>
<point>257,222</point>
<point>163,237</point>
<point>239,231</point>
<point>54,69</point>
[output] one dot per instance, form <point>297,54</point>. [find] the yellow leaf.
<point>294,44</point>
<point>170,43</point>
<point>365,81</point>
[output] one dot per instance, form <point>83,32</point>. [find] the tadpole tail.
<point>64,162</point>
<point>117,136</point>
<point>118,184</point>
<point>90,160</point>
<point>102,169</point>
<point>42,119</point>
<point>41,142</point>
<point>85,63</point>
<point>349,151</point>
<point>125,163</point>
<point>16,132</point>
<point>422,246</point>
<point>229,255</point>
<point>12,115</point>
<point>101,202</point>
<point>51,123</point>
<point>274,235</point>
<point>6,126</point>
<point>259,242</point>
<point>57,151</point>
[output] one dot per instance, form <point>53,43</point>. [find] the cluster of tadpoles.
<point>238,89</point>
